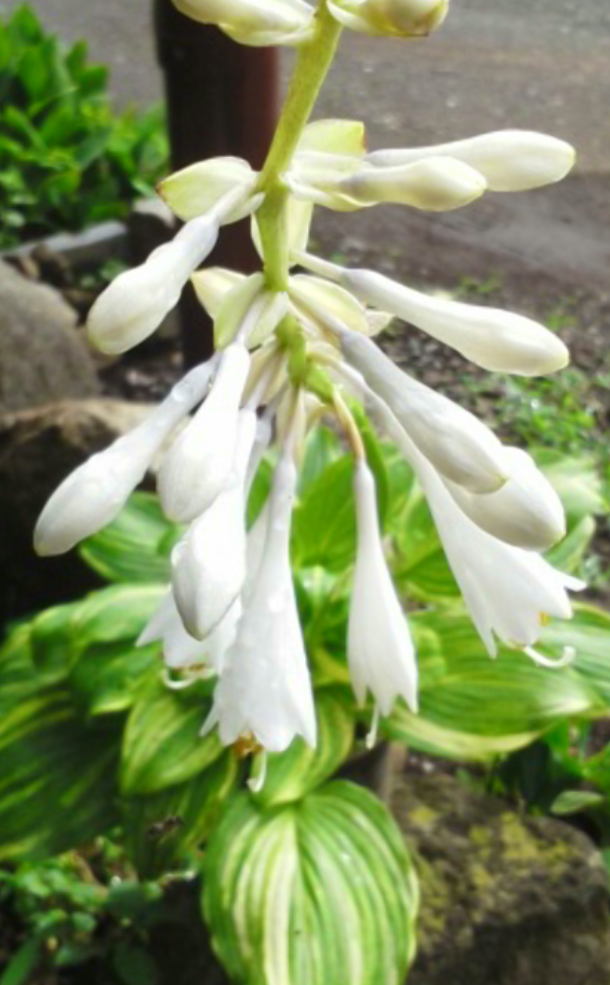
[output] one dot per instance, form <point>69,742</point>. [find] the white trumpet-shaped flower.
<point>510,160</point>
<point>380,649</point>
<point>510,593</point>
<point>133,306</point>
<point>525,512</point>
<point>199,463</point>
<point>209,563</point>
<point>461,447</point>
<point>264,691</point>
<point>180,649</point>
<point>396,18</point>
<point>254,22</point>
<point>93,495</point>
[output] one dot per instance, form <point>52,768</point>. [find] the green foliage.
<point>93,741</point>
<point>314,892</point>
<point>66,160</point>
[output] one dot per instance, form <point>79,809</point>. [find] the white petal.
<point>459,445</point>
<point>133,306</point>
<point>93,495</point>
<point>380,649</point>
<point>401,18</point>
<point>264,690</point>
<point>212,286</point>
<point>435,184</point>
<point>180,650</point>
<point>497,340</point>
<point>510,160</point>
<point>194,190</point>
<point>209,564</point>
<point>254,22</point>
<point>198,465</point>
<point>525,512</point>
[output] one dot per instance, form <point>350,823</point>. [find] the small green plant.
<point>66,160</point>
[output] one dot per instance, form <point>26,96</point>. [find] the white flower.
<point>497,340</point>
<point>209,563</point>
<point>461,447</point>
<point>199,463</point>
<point>509,592</point>
<point>380,649</point>
<point>254,22</point>
<point>402,18</point>
<point>180,649</point>
<point>264,690</point>
<point>525,512</point>
<point>93,495</point>
<point>510,160</point>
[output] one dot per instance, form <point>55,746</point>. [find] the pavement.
<point>507,63</point>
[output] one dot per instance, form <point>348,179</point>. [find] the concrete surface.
<point>543,65</point>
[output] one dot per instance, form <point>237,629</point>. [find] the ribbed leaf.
<point>51,639</point>
<point>312,893</point>
<point>162,828</point>
<point>569,554</point>
<point>162,745</point>
<point>589,634</point>
<point>57,784</point>
<point>292,774</point>
<point>116,613</point>
<point>107,676</point>
<point>472,707</point>
<point>321,450</point>
<point>136,546</point>
<point>576,479</point>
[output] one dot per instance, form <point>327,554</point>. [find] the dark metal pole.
<point>222,98</point>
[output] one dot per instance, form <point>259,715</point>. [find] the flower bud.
<point>435,184</point>
<point>396,18</point>
<point>461,447</point>
<point>497,340</point>
<point>209,564</point>
<point>180,650</point>
<point>380,649</point>
<point>525,512</point>
<point>254,22</point>
<point>510,160</point>
<point>133,306</point>
<point>199,463</point>
<point>93,495</point>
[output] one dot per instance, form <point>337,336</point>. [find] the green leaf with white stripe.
<point>588,633</point>
<point>136,546</point>
<point>51,641</point>
<point>162,744</point>
<point>317,892</point>
<point>57,784</point>
<point>162,828</point>
<point>300,769</point>
<point>472,707</point>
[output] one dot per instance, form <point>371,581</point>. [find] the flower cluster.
<point>289,352</point>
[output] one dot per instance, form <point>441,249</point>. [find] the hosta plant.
<point>277,604</point>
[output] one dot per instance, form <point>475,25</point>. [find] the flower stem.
<point>314,60</point>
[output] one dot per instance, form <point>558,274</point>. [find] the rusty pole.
<point>222,98</point>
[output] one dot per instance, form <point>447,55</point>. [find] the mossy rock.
<point>506,899</point>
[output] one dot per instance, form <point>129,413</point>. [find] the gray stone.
<point>506,899</point>
<point>42,357</point>
<point>38,449</point>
